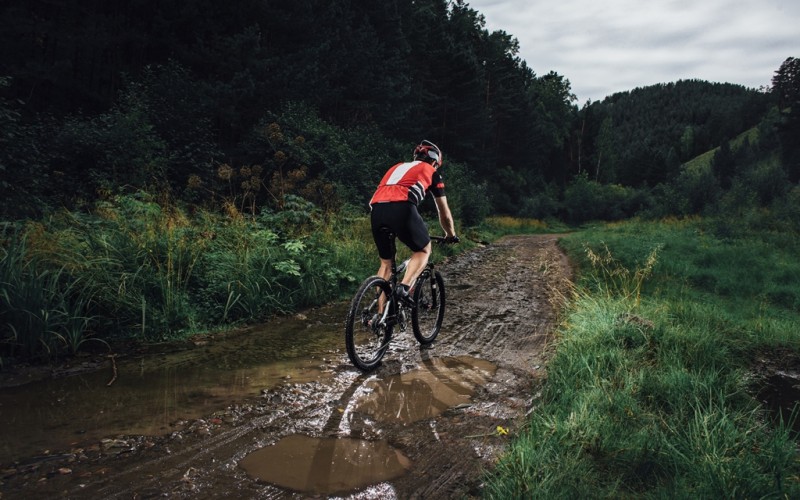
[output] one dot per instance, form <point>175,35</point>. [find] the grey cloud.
<point>618,45</point>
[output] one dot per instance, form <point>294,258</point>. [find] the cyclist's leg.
<point>415,236</point>
<point>416,264</point>
<point>381,219</point>
<point>385,272</point>
<point>385,269</point>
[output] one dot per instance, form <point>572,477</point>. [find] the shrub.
<point>586,200</point>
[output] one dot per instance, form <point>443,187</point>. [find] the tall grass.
<point>43,311</point>
<point>648,394</point>
<point>140,268</point>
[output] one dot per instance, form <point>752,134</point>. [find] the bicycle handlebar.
<point>442,240</point>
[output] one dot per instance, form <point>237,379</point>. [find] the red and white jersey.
<point>408,182</point>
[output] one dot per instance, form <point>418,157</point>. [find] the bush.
<point>542,204</point>
<point>691,193</point>
<point>115,149</point>
<point>787,208</point>
<point>586,200</point>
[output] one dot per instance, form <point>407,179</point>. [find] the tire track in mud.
<point>502,305</point>
<point>503,302</point>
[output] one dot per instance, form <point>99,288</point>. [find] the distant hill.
<point>641,137</point>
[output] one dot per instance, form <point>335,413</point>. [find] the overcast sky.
<point>608,46</point>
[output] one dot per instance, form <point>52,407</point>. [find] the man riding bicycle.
<point>394,206</point>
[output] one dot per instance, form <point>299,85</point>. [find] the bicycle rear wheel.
<point>367,341</point>
<point>428,312</point>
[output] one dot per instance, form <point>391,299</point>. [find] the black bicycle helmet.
<point>429,150</point>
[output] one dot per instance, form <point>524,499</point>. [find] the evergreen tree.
<point>786,85</point>
<point>723,165</point>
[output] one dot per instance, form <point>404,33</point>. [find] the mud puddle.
<point>341,461</point>
<point>440,384</point>
<point>158,395</point>
<point>325,466</point>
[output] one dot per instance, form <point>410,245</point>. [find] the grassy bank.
<point>649,392</point>
<point>141,268</point>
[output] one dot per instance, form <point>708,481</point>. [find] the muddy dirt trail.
<point>425,424</point>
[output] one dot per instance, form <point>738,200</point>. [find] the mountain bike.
<point>376,311</point>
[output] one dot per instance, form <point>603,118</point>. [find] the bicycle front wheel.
<point>428,312</point>
<point>365,336</point>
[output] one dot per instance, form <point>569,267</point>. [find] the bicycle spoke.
<point>366,334</point>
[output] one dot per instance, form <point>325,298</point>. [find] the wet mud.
<point>776,385</point>
<point>281,413</point>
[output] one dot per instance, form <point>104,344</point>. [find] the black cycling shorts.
<point>404,221</point>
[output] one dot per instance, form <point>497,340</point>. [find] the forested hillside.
<point>107,94</point>
<point>314,98</point>
<point>643,136</point>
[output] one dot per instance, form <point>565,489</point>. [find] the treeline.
<point>691,147</point>
<point>241,104</point>
<point>643,136</point>
<point>100,95</point>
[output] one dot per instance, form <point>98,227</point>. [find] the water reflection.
<point>149,395</point>
<point>325,466</point>
<point>426,392</point>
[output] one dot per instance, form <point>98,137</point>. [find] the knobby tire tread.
<point>423,331</point>
<point>357,333</point>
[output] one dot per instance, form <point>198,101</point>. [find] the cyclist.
<point>394,206</point>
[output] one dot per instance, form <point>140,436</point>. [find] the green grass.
<point>649,393</point>
<point>495,227</point>
<point>135,268</point>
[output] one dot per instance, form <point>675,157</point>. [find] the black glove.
<point>451,239</point>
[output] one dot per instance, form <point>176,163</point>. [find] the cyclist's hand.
<point>451,239</point>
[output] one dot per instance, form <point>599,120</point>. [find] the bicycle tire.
<point>427,314</point>
<point>367,345</point>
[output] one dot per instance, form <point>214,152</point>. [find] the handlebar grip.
<point>444,240</point>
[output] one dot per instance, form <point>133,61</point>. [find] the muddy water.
<point>426,392</point>
<point>159,395</point>
<point>325,466</point>
<point>345,462</point>
<point>153,396</point>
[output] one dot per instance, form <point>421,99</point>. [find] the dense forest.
<point>99,97</point>
<point>137,136</point>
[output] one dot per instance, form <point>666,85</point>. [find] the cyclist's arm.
<point>445,216</point>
